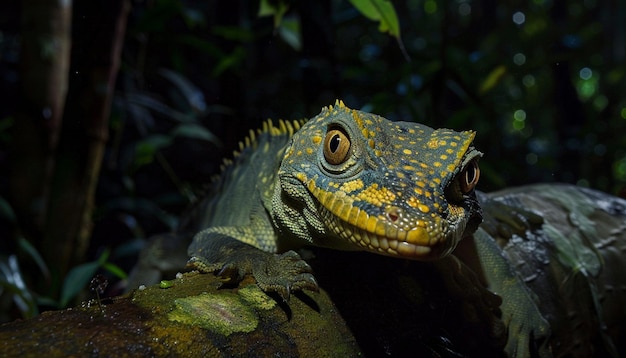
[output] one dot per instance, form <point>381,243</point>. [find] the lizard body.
<point>347,180</point>
<point>352,180</point>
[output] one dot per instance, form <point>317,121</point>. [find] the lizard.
<point>347,180</point>
<point>353,180</point>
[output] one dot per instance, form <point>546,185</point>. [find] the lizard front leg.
<point>528,330</point>
<point>480,307</point>
<point>213,251</point>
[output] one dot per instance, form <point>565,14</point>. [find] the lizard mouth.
<point>417,239</point>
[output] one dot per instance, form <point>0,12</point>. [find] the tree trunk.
<point>95,63</point>
<point>45,57</point>
<point>59,137</point>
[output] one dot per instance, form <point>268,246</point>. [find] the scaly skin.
<point>395,188</point>
<point>348,180</point>
<point>353,180</point>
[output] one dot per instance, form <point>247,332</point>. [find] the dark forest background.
<point>115,114</point>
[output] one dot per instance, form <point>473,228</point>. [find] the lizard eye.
<point>469,177</point>
<point>336,146</point>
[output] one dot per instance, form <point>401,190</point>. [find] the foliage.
<point>14,281</point>
<point>541,82</point>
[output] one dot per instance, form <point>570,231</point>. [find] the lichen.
<point>256,297</point>
<point>165,284</point>
<point>223,313</point>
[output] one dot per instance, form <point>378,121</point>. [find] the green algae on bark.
<point>256,297</point>
<point>140,324</point>
<point>223,313</point>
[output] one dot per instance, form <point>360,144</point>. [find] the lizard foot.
<point>232,260</point>
<point>481,307</point>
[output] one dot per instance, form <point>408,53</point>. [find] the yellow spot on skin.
<point>437,164</point>
<point>451,167</point>
<point>309,151</point>
<point>407,151</point>
<point>352,185</point>
<point>301,176</point>
<point>371,143</point>
<point>316,139</point>
<point>376,196</point>
<point>443,157</point>
<point>423,208</point>
<point>413,202</point>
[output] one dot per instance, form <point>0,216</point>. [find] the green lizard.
<point>352,180</point>
<point>348,180</point>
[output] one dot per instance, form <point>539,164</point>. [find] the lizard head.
<point>355,180</point>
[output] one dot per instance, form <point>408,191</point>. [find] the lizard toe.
<point>284,273</point>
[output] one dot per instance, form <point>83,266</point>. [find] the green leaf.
<point>136,206</point>
<point>273,8</point>
<point>76,280</point>
<point>34,254</point>
<point>493,78</point>
<point>146,149</point>
<point>12,281</point>
<point>115,270</point>
<point>289,31</point>
<point>381,11</point>
<point>104,256</point>
<point>233,33</point>
<point>230,61</point>
<point>6,211</point>
<point>195,131</point>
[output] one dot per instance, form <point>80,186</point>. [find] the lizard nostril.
<point>393,213</point>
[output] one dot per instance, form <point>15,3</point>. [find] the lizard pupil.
<point>470,177</point>
<point>336,146</point>
<point>334,143</point>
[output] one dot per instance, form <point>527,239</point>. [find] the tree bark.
<point>62,124</point>
<point>45,58</point>
<point>192,318</point>
<point>95,63</point>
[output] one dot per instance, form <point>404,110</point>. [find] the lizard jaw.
<point>416,239</point>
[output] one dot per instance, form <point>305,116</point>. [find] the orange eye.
<point>336,146</point>
<point>469,177</point>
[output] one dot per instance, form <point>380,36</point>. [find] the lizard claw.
<point>232,260</point>
<point>283,274</point>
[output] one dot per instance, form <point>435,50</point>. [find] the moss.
<point>256,297</point>
<point>223,313</point>
<point>165,284</point>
